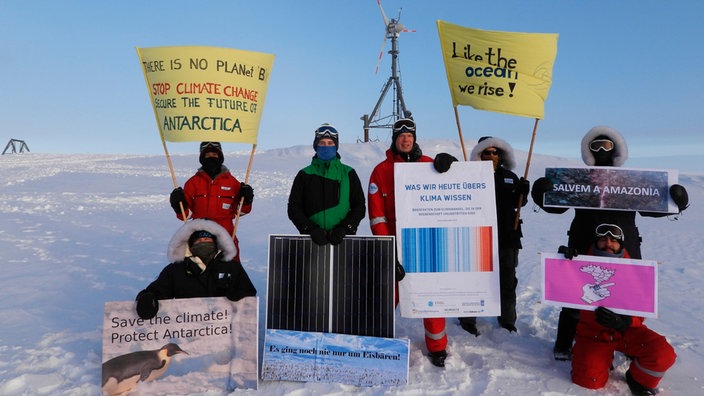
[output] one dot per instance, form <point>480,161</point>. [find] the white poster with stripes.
<point>447,239</point>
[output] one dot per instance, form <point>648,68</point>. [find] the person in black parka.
<point>206,269</point>
<point>508,190</point>
<point>601,146</point>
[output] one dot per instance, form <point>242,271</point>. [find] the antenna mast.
<point>393,30</point>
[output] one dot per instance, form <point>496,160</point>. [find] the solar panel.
<point>345,289</point>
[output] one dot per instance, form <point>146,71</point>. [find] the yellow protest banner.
<point>206,93</point>
<point>504,72</point>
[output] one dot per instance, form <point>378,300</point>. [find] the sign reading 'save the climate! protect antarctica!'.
<point>193,345</point>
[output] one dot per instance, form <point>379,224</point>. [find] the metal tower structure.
<point>373,120</point>
<point>13,149</point>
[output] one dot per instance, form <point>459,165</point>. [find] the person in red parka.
<point>382,217</point>
<point>213,193</point>
<point>602,332</point>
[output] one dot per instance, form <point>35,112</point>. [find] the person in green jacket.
<point>326,199</point>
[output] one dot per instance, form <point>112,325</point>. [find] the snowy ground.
<point>79,230</point>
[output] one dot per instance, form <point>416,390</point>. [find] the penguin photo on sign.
<point>123,373</point>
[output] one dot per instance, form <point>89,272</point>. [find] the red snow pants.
<point>651,355</point>
<point>435,335</point>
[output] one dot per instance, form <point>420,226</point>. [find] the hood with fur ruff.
<point>179,241</point>
<point>509,161</point>
<point>620,148</point>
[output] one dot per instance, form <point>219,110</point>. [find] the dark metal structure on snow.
<point>13,149</point>
<point>373,120</point>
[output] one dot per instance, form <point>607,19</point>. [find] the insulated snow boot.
<point>469,325</point>
<point>566,327</point>
<point>638,389</point>
<point>562,354</point>
<point>438,358</point>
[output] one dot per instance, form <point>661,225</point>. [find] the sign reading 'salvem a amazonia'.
<point>206,93</point>
<point>611,188</point>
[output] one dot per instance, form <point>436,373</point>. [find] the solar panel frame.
<point>345,289</point>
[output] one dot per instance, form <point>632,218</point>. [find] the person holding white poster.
<point>382,217</point>
<point>602,332</point>
<point>509,189</point>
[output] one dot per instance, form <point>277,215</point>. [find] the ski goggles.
<point>601,144</point>
<point>612,230</point>
<point>490,152</point>
<point>205,145</point>
<point>404,125</point>
<point>326,131</point>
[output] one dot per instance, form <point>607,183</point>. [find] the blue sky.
<point>71,80</point>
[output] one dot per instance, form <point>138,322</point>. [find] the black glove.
<point>176,198</point>
<point>319,236</point>
<point>540,187</point>
<point>147,305</point>
<point>443,161</point>
<point>337,234</point>
<point>235,294</point>
<point>569,252</point>
<point>523,187</point>
<point>246,192</point>
<point>400,273</point>
<point>612,320</point>
<point>680,196</point>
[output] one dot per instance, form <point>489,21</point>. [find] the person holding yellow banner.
<point>213,193</point>
<point>510,191</point>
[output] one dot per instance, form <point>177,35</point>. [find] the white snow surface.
<point>79,230</point>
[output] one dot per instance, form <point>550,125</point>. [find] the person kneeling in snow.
<point>602,332</point>
<point>209,271</point>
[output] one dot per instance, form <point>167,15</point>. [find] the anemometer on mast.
<point>393,29</point>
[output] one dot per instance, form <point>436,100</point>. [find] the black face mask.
<point>603,158</point>
<point>206,251</point>
<point>212,166</point>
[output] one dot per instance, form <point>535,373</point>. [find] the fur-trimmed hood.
<point>509,160</point>
<point>620,148</point>
<point>179,242</point>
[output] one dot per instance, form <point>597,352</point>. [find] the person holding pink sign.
<point>600,146</point>
<point>602,332</point>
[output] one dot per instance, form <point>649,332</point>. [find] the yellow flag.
<point>206,93</point>
<point>497,71</point>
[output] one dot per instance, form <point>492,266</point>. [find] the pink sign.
<point>585,282</point>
